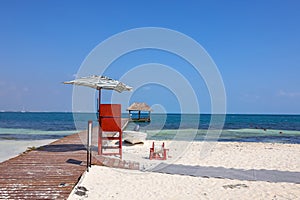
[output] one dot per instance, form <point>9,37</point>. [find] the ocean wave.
<point>263,131</point>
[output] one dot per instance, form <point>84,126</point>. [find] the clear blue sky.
<point>255,44</point>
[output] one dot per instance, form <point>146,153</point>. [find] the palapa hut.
<point>139,112</point>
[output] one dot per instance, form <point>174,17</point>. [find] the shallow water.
<point>21,130</point>
<point>229,135</point>
<point>18,126</point>
<point>12,148</point>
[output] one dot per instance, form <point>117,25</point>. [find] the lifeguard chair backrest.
<point>110,115</point>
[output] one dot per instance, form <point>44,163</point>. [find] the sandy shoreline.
<point>13,148</point>
<point>109,183</point>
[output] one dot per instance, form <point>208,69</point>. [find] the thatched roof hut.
<point>139,107</point>
<point>139,112</point>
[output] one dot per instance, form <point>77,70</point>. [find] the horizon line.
<point>229,113</point>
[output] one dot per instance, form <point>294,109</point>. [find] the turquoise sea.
<point>243,128</point>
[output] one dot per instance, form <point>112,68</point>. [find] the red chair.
<point>110,122</point>
<point>158,153</point>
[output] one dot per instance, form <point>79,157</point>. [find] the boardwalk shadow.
<point>75,162</point>
<point>238,174</point>
<point>62,147</point>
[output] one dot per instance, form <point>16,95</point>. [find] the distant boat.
<point>134,137</point>
<point>23,110</point>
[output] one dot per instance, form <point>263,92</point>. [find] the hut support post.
<point>149,113</point>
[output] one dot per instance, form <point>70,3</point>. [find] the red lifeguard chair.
<point>110,129</point>
<point>158,153</point>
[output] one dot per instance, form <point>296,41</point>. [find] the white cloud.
<point>250,97</point>
<point>288,94</point>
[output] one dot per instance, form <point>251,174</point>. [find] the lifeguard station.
<point>110,130</point>
<point>109,114</point>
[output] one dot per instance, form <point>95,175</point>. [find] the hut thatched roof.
<point>139,107</point>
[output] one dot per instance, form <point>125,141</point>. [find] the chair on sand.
<point>158,153</point>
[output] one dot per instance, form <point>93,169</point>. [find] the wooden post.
<point>129,115</point>
<point>99,140</point>
<point>89,142</point>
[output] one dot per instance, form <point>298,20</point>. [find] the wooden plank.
<point>49,172</point>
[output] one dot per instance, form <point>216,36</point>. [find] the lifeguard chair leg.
<point>151,156</point>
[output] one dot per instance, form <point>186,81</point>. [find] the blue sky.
<point>255,44</point>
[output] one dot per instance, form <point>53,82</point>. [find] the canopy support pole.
<point>99,127</point>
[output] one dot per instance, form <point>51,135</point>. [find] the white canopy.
<point>100,82</point>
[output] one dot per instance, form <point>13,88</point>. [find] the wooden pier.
<point>49,172</point>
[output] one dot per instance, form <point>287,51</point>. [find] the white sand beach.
<point>110,183</point>
<point>12,148</point>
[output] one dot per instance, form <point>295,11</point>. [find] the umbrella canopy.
<point>100,82</point>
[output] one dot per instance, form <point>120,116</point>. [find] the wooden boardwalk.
<point>49,172</point>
